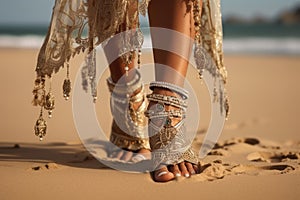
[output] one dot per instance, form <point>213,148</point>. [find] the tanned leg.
<point>117,73</point>
<point>174,15</point>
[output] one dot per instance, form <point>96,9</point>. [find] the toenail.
<point>187,175</point>
<point>138,158</point>
<point>178,175</point>
<point>161,173</point>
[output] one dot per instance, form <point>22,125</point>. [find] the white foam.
<point>232,45</point>
<point>256,45</point>
<point>263,45</point>
<point>22,42</point>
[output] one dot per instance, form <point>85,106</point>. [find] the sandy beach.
<point>257,156</point>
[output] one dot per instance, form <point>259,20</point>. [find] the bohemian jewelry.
<point>169,143</point>
<point>102,19</point>
<point>208,50</point>
<point>174,88</point>
<point>170,100</point>
<point>128,127</point>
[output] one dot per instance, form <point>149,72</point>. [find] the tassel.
<point>40,126</point>
<point>67,85</point>
<point>49,103</point>
<point>67,89</point>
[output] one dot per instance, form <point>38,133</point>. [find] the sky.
<point>39,11</point>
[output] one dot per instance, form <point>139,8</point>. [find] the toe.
<point>119,154</point>
<point>190,168</point>
<point>143,154</point>
<point>138,158</point>
<point>163,175</point>
<point>175,170</point>
<point>127,155</point>
<point>113,154</point>
<point>184,170</point>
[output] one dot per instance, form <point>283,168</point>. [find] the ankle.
<point>164,91</point>
<point>165,108</point>
<point>126,88</point>
<point>169,89</point>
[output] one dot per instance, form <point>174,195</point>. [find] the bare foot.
<point>127,155</point>
<point>168,173</point>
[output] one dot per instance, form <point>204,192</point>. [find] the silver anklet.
<point>169,100</point>
<point>174,88</point>
<point>126,88</point>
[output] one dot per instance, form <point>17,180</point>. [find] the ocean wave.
<point>21,42</point>
<point>255,45</point>
<point>263,45</point>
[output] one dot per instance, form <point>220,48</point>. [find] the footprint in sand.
<point>218,152</point>
<point>256,170</point>
<point>221,148</point>
<point>210,172</point>
<point>286,162</point>
<point>282,168</point>
<point>49,166</point>
<point>273,157</point>
<point>234,141</point>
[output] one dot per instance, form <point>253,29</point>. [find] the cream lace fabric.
<point>80,25</point>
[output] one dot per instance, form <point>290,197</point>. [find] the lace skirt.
<point>80,25</point>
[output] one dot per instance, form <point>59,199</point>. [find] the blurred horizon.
<point>38,12</point>
<point>257,26</point>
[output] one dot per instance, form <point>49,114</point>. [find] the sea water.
<point>238,38</point>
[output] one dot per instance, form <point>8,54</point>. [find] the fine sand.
<point>256,157</point>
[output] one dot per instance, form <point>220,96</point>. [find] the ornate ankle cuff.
<point>174,88</point>
<point>169,143</point>
<point>127,88</point>
<point>129,123</point>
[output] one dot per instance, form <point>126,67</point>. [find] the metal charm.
<point>40,127</point>
<point>49,103</point>
<point>67,89</point>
